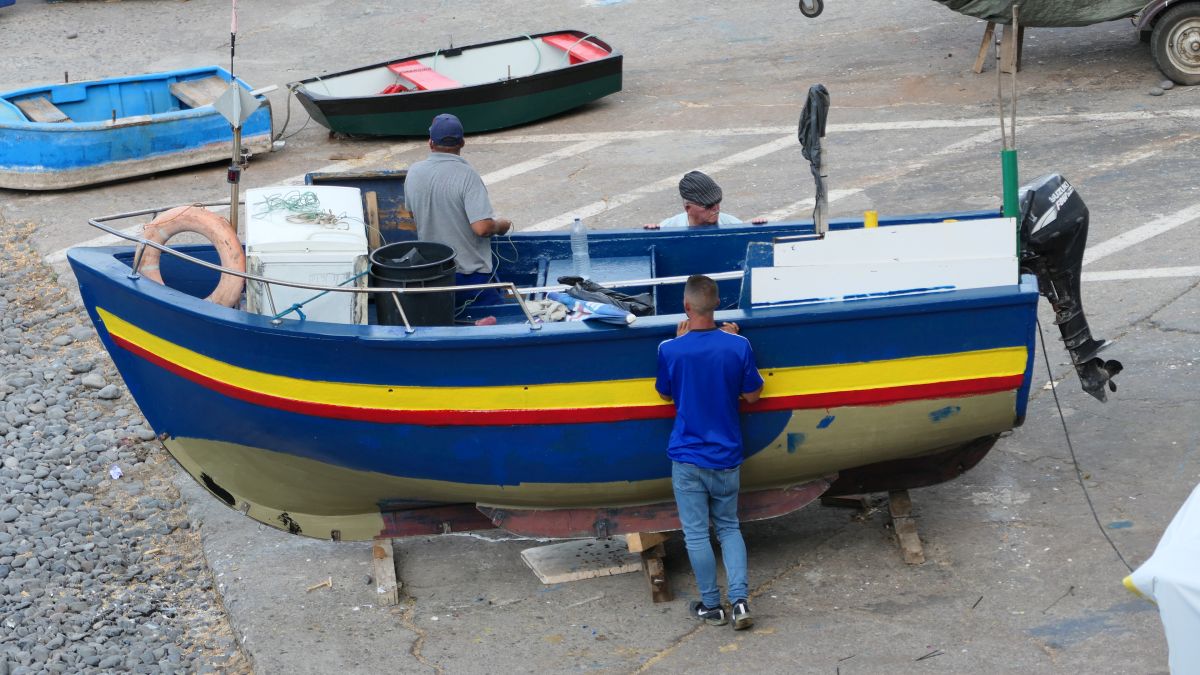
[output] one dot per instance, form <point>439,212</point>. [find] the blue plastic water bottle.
<point>581,263</point>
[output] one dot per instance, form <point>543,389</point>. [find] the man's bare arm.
<point>491,226</point>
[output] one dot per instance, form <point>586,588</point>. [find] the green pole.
<point>1008,167</point>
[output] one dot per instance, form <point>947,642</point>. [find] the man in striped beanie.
<point>701,204</point>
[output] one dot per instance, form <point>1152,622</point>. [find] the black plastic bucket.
<point>414,264</point>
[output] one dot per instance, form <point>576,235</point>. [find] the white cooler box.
<point>295,249</point>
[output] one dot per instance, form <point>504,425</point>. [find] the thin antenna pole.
<point>1000,96</point>
<point>1016,46</point>
<point>234,175</point>
<point>232,36</point>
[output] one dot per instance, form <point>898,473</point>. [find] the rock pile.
<point>97,572</point>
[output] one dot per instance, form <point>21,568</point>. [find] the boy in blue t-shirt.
<point>705,370</point>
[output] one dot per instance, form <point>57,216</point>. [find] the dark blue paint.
<point>825,421</point>
<point>794,441</point>
<point>1120,525</point>
<point>942,413</point>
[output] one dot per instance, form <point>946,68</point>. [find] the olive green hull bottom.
<point>285,491</point>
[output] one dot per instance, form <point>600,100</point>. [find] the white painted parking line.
<point>371,159</point>
<point>795,208</point>
<point>1139,234</point>
<point>589,210</point>
<point>1152,273</point>
<point>538,162</point>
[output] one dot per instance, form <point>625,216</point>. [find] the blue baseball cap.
<point>446,130</point>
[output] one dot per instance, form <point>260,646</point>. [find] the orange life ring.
<point>209,225</point>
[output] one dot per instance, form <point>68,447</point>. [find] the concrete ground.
<point>1018,576</point>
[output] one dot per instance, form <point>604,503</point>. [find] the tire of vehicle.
<point>812,8</point>
<point>1175,43</point>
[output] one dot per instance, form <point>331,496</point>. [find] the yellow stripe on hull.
<point>781,382</point>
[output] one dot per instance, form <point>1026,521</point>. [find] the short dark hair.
<point>701,292</point>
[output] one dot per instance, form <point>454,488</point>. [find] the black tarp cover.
<point>1047,13</point>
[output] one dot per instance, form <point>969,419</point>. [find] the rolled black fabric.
<point>586,289</point>
<point>698,188</point>
<point>812,129</point>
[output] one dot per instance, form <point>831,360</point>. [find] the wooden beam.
<point>641,541</point>
<point>199,93</point>
<point>900,508</point>
<point>374,238</point>
<point>656,573</point>
<point>40,109</point>
<point>1010,49</point>
<point>985,47</point>
<point>386,584</point>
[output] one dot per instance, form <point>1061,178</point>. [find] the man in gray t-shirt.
<point>450,205</point>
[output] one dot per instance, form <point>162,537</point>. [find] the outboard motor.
<point>1054,226</point>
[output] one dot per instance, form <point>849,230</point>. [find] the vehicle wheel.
<point>1175,43</point>
<point>812,8</point>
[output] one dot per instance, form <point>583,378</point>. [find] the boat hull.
<point>54,156</point>
<point>317,428</point>
<point>481,107</point>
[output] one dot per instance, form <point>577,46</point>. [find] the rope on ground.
<point>1071,447</point>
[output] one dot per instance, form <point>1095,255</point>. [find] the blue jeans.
<point>486,296</point>
<point>701,494</point>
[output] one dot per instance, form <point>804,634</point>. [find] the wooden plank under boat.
<point>80,133</point>
<point>489,86</point>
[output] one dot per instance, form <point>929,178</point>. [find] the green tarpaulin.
<point>1048,12</point>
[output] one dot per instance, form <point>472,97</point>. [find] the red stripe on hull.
<point>496,418</point>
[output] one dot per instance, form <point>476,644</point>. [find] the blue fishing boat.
<point>80,133</point>
<point>906,354</point>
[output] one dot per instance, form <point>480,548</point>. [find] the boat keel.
<point>660,517</point>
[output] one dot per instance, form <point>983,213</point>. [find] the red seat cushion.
<point>578,50</point>
<point>422,76</point>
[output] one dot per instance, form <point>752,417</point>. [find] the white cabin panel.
<point>897,260</point>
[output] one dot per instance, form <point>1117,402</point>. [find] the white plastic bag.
<point>1171,580</point>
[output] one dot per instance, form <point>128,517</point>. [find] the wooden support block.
<point>1010,49</point>
<point>199,93</point>
<point>985,47</point>
<point>900,508</point>
<point>40,109</point>
<point>656,573</point>
<point>642,541</point>
<point>386,584</point>
<point>374,238</point>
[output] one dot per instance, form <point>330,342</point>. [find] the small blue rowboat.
<point>80,133</point>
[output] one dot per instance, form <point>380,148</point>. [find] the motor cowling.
<point>1054,226</point>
